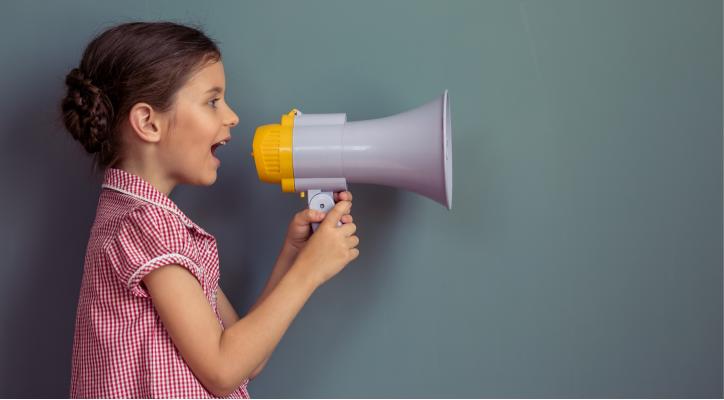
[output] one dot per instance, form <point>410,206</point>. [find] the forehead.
<point>209,76</point>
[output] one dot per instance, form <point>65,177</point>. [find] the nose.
<point>233,119</point>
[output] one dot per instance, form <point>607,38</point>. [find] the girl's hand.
<point>300,228</point>
<point>329,250</point>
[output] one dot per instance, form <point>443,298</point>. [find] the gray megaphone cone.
<point>411,151</point>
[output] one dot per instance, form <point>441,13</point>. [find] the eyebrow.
<point>215,89</point>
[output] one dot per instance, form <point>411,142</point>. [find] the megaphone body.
<point>321,153</point>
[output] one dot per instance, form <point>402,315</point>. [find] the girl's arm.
<point>229,315</point>
<point>226,309</point>
<point>223,358</point>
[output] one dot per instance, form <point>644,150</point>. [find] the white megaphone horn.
<point>321,153</point>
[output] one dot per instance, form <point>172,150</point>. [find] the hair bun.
<point>87,111</point>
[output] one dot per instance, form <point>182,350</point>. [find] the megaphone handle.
<point>320,201</point>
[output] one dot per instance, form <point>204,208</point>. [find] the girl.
<point>147,100</point>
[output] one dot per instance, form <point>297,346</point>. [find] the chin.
<point>210,179</point>
<point>204,179</point>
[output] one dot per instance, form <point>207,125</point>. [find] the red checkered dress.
<point>120,347</point>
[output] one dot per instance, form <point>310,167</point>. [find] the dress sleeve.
<point>148,238</point>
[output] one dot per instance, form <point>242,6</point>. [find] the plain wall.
<point>583,253</point>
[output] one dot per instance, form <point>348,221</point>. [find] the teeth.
<point>223,142</point>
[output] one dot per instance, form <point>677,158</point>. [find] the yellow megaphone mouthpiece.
<point>272,152</point>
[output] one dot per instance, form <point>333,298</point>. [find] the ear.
<point>146,122</point>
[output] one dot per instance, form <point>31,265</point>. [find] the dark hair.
<point>126,64</point>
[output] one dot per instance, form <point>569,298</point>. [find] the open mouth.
<point>219,144</point>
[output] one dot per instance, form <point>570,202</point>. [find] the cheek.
<point>198,134</point>
<point>207,129</point>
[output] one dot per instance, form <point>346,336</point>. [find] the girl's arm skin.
<point>229,315</point>
<point>222,358</point>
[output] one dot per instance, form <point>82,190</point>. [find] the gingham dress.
<point>120,347</point>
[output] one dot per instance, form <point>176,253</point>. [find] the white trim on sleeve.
<point>199,271</point>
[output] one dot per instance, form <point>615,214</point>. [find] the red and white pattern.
<point>120,347</point>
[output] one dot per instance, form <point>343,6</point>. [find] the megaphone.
<point>321,153</point>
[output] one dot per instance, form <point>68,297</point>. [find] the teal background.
<point>583,253</point>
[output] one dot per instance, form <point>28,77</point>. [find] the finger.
<point>349,229</point>
<point>346,195</point>
<point>305,216</point>
<point>302,216</point>
<point>316,215</point>
<point>335,214</point>
<point>353,241</point>
<point>347,218</point>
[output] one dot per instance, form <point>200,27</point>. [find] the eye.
<point>213,102</point>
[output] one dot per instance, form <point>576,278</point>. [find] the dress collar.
<point>135,186</point>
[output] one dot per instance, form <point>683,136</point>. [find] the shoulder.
<point>153,217</point>
<point>147,238</point>
<point>148,228</point>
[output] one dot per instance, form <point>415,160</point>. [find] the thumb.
<point>335,214</point>
<point>311,215</point>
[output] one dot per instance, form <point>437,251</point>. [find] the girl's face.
<point>202,119</point>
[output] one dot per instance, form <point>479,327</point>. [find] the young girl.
<point>147,100</point>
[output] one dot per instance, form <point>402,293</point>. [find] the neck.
<point>158,180</point>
